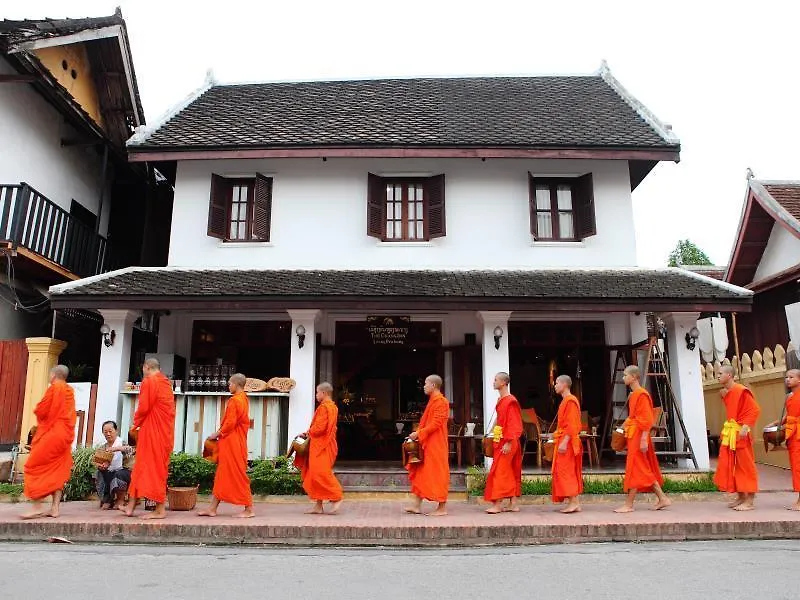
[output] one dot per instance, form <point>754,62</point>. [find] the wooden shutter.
<point>437,226</point>
<point>262,208</point>
<point>532,205</point>
<point>376,206</point>
<point>218,208</point>
<point>583,203</point>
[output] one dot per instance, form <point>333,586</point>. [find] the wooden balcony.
<point>48,238</point>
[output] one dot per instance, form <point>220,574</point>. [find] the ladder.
<point>614,408</point>
<point>657,374</point>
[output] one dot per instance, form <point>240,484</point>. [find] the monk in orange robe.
<point>736,468</point>
<point>316,469</point>
<point>642,473</point>
<point>567,470</point>
<point>430,479</point>
<point>231,483</point>
<point>792,422</point>
<point>50,462</point>
<point>155,419</point>
<point>505,476</point>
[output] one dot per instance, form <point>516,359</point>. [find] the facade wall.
<point>70,66</point>
<point>319,216</point>
<point>32,130</point>
<point>782,252</point>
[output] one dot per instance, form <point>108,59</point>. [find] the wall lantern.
<point>691,338</point>
<point>498,333</point>
<point>301,336</point>
<point>108,335</point>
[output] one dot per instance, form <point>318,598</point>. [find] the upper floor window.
<point>405,209</point>
<point>240,209</point>
<point>562,209</point>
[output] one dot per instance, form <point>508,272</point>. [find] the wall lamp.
<point>498,333</point>
<point>301,336</point>
<point>108,335</point>
<point>691,338</point>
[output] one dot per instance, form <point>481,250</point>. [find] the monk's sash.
<point>730,431</point>
<point>792,428</point>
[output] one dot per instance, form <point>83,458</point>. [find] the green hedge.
<point>270,476</point>
<point>11,489</point>
<point>541,486</point>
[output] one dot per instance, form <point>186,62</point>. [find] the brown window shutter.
<point>376,206</point>
<point>218,208</point>
<point>583,202</point>
<point>532,206</point>
<point>262,208</point>
<point>437,223</point>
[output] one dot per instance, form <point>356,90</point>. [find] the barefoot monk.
<point>568,453</point>
<point>505,476</point>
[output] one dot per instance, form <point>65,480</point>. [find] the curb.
<point>402,536</point>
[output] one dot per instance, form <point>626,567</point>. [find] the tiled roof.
<point>787,195</point>
<point>628,285</point>
<point>28,30</point>
<point>540,112</point>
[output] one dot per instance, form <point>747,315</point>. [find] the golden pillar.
<point>43,355</point>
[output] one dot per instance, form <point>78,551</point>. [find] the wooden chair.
<point>658,432</point>
<point>455,434</point>
<point>533,435</point>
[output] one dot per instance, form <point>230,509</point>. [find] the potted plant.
<point>187,475</point>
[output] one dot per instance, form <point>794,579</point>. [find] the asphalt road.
<point>702,570</point>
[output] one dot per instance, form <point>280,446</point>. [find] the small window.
<point>405,209</point>
<point>562,209</point>
<point>240,210</point>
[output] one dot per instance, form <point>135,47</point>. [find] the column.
<point>43,355</point>
<point>114,367</point>
<point>302,368</point>
<point>684,367</point>
<point>494,359</point>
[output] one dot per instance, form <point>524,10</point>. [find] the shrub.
<point>701,483</point>
<point>188,470</point>
<point>11,489</point>
<point>81,481</point>
<point>274,476</point>
<point>476,480</point>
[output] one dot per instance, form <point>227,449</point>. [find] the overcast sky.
<point>726,78</point>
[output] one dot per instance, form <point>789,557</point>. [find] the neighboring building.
<point>372,232</point>
<point>71,205</point>
<point>766,259</point>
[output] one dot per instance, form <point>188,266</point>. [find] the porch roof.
<point>596,290</point>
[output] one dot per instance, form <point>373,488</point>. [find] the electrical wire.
<point>16,301</point>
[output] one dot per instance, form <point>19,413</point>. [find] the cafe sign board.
<point>388,331</point>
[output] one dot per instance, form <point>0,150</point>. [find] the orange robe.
<point>568,467</point>
<point>793,436</point>
<point>50,462</point>
<point>641,468</point>
<point>231,483</point>
<point>316,469</point>
<point>736,468</point>
<point>430,479</point>
<point>505,476</point>
<point>155,416</point>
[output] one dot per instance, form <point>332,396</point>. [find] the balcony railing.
<point>29,220</point>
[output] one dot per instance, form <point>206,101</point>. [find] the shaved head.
<point>728,369</point>
<point>565,379</point>
<point>435,380</point>
<point>504,377</point>
<point>59,372</point>
<point>633,371</point>
<point>325,388</point>
<point>238,379</point>
<point>152,363</point>
<point>793,373</point>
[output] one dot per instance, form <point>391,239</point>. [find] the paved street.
<point>702,570</point>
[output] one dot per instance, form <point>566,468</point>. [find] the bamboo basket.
<point>182,498</point>
<point>102,456</point>
<point>549,450</point>
<point>618,440</point>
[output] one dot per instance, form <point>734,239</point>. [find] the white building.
<point>370,233</point>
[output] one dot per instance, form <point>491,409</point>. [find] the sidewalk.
<point>383,523</point>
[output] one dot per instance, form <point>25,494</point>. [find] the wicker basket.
<point>211,451</point>
<point>102,457</point>
<point>281,384</point>
<point>133,435</point>
<point>254,385</point>
<point>488,446</point>
<point>549,450</point>
<point>182,498</point>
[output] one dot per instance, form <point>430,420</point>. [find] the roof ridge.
<point>661,128</point>
<point>143,132</point>
<point>763,195</point>
<point>779,182</point>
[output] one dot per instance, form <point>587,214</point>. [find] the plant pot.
<point>182,498</point>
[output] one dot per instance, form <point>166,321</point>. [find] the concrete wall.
<point>32,130</point>
<point>764,373</point>
<point>782,252</point>
<point>319,216</point>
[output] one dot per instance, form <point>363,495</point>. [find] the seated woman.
<point>113,478</point>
